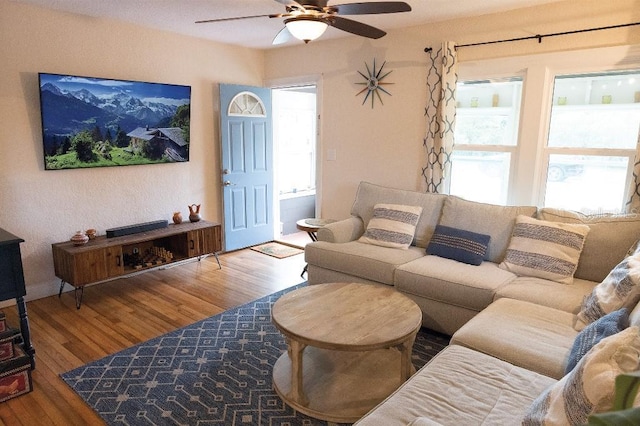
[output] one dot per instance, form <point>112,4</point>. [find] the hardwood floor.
<point>118,314</point>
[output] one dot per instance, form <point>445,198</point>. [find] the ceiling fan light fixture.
<point>306,28</point>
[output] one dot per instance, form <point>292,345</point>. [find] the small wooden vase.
<point>177,218</point>
<point>194,212</point>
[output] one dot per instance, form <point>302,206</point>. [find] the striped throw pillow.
<point>589,387</point>
<point>392,225</point>
<point>621,288</point>
<point>543,249</point>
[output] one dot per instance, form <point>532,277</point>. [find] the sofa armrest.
<point>342,231</point>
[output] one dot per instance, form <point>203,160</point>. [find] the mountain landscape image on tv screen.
<point>96,122</point>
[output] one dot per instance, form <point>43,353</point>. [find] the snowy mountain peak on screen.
<point>119,103</point>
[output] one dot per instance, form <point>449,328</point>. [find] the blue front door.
<point>247,165</point>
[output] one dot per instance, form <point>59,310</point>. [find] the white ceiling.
<point>179,16</point>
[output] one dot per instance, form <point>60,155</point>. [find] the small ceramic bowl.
<point>79,238</point>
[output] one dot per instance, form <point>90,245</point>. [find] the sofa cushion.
<point>458,244</point>
<point>589,387</point>
<point>531,336</point>
<point>544,249</point>
<point>368,261</point>
<point>607,242</point>
<point>392,225</point>
<point>369,194</point>
<point>593,333</point>
<point>543,292</point>
<point>460,386</point>
<point>488,219</point>
<point>621,288</point>
<point>451,282</point>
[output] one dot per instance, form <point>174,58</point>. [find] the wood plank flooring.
<point>121,313</point>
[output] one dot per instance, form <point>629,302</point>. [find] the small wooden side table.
<point>311,226</point>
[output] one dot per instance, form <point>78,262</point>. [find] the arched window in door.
<point>247,104</point>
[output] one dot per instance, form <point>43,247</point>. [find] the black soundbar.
<point>137,228</point>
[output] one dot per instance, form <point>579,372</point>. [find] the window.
<point>485,139</point>
<point>246,104</point>
<point>592,139</point>
<point>566,138</point>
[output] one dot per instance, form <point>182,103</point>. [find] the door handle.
<point>227,183</point>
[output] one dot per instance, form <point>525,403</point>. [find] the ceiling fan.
<point>307,20</point>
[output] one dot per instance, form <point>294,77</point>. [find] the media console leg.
<point>215,255</point>
<point>79,291</point>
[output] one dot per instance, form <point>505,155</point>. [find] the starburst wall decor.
<point>373,83</point>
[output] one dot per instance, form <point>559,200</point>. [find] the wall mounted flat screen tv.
<point>97,122</point>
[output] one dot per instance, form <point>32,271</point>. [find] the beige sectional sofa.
<point>450,293</point>
<point>511,334</point>
<point>492,371</point>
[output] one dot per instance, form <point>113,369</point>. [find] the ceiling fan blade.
<point>372,8</point>
<point>355,27</point>
<point>206,21</point>
<point>282,37</point>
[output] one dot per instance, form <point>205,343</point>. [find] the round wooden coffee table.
<point>349,347</point>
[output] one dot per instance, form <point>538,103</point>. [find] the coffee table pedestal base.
<point>339,386</point>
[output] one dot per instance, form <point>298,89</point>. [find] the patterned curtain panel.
<point>440,113</point>
<point>633,205</point>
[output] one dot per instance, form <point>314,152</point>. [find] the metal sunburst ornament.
<point>373,83</point>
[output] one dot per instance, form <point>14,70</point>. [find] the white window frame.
<point>512,150</point>
<point>548,151</point>
<point>527,178</point>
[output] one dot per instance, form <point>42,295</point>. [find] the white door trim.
<point>310,80</point>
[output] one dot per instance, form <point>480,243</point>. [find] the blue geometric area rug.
<point>216,371</point>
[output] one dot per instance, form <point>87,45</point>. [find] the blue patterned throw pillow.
<point>606,326</point>
<point>458,244</point>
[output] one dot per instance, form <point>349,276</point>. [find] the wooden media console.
<point>105,258</point>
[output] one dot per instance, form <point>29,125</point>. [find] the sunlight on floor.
<point>297,239</point>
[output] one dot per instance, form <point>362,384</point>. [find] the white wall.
<point>44,207</point>
<point>384,144</point>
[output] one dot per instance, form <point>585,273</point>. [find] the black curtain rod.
<point>539,37</point>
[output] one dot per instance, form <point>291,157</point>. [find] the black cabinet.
<point>12,285</point>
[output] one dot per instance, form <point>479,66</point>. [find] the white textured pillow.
<point>589,387</point>
<point>542,249</point>
<point>392,225</point>
<point>620,289</point>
